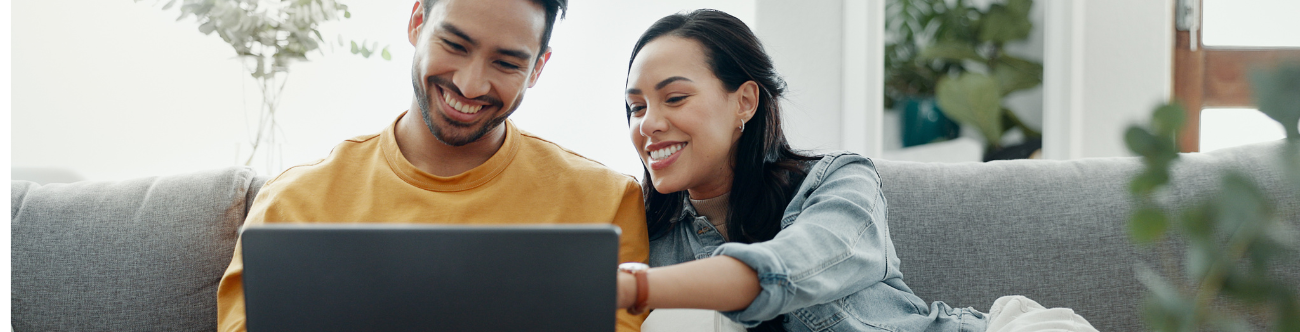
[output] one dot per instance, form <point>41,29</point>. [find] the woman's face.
<point>684,123</point>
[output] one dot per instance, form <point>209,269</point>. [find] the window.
<point>1211,75</point>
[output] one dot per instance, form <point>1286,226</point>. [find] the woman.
<point>741,223</point>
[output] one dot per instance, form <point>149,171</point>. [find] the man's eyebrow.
<point>514,53</point>
<point>521,54</point>
<point>660,85</point>
<point>456,31</point>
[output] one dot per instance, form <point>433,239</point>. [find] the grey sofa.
<point>146,254</point>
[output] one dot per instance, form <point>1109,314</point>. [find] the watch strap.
<point>642,292</point>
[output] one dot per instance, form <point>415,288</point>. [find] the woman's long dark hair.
<point>767,171</point>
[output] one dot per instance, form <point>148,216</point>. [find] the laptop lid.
<point>369,277</point>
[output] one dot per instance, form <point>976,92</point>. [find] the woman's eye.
<point>675,100</point>
<point>635,109</point>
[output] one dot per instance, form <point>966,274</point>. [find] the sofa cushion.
<point>1054,231</point>
<point>137,255</point>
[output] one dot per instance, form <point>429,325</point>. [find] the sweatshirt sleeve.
<point>634,244</point>
<point>230,292</point>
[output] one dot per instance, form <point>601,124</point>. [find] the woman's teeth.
<point>665,152</point>
<point>467,109</point>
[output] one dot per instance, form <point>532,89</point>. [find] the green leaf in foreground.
<point>1148,225</point>
<point>1277,92</point>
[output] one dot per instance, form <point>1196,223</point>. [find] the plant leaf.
<point>951,50</point>
<point>1016,74</point>
<point>1147,225</point>
<point>207,28</point>
<point>1001,24</point>
<point>1276,94</point>
<point>1168,120</point>
<point>385,54</point>
<point>1020,7</point>
<point>973,98</point>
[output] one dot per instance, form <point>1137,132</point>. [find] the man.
<point>453,158</point>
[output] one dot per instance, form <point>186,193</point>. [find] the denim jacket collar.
<point>688,210</point>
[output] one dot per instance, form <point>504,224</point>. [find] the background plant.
<point>967,62</point>
<point>269,35</point>
<point>1233,239</point>
<point>913,25</point>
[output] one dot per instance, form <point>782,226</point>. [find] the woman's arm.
<point>838,244</point>
<point>719,283</point>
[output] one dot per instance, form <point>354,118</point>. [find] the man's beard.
<point>422,98</point>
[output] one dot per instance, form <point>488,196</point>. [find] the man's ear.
<point>417,21</point>
<point>537,68</point>
<point>747,100</point>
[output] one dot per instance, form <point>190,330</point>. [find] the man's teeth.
<point>665,152</point>
<point>467,109</point>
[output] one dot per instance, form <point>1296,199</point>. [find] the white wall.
<point>1113,78</point>
<point>805,43</point>
<point>830,53</point>
<point>119,89</point>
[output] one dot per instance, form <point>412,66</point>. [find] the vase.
<point>923,122</point>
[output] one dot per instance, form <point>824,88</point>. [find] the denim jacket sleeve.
<point>834,242</point>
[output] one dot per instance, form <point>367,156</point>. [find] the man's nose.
<point>472,80</point>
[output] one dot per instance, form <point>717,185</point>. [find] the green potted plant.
<point>910,80</point>
<point>1231,240</point>
<point>975,73</point>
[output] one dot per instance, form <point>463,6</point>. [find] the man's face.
<point>473,61</point>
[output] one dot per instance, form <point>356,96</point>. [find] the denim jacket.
<point>832,267</point>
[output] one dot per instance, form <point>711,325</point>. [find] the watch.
<point>638,270</point>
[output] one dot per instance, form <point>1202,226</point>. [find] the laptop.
<point>376,277</point>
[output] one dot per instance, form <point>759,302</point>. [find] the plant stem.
<point>1213,282</point>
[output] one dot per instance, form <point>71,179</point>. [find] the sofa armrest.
<point>141,255</point>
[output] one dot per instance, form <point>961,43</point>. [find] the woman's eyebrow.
<point>669,80</point>
<point>660,85</point>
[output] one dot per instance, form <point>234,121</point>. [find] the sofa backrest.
<point>147,254</point>
<point>1055,231</point>
<point>136,255</point>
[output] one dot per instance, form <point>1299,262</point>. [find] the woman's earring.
<point>742,126</point>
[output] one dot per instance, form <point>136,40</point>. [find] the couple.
<point>731,217</point>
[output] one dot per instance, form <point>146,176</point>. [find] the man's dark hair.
<point>554,9</point>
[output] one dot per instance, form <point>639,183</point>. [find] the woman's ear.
<point>417,20</point>
<point>748,100</point>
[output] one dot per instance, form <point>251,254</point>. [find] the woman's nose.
<point>652,122</point>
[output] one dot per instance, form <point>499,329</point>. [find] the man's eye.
<point>454,46</point>
<point>508,65</point>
